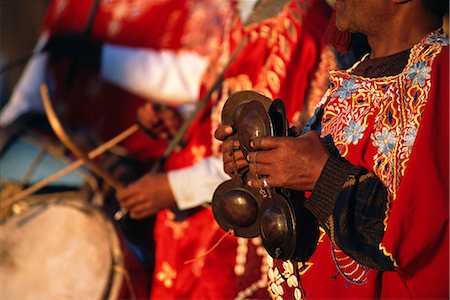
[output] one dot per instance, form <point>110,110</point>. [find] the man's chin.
<point>341,26</point>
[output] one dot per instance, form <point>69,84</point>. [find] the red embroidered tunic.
<point>269,63</point>
<point>103,108</point>
<point>397,128</point>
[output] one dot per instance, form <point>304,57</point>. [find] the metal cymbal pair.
<point>254,115</point>
<point>250,211</point>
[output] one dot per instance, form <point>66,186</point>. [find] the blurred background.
<point>20,22</point>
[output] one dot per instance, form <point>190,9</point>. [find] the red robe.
<point>103,109</point>
<point>270,63</point>
<point>397,127</point>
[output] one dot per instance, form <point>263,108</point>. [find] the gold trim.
<point>388,254</point>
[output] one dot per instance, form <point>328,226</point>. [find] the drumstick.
<point>58,129</point>
<point>73,166</point>
<point>65,139</point>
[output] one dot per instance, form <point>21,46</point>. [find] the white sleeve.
<point>164,76</point>
<point>25,96</point>
<point>195,185</point>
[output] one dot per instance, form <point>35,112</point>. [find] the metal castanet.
<point>287,229</point>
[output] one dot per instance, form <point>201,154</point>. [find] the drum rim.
<point>117,270</point>
<point>37,139</point>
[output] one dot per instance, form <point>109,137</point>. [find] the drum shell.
<point>59,247</point>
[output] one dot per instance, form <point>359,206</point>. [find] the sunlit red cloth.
<point>285,58</point>
<point>101,107</point>
<point>397,127</point>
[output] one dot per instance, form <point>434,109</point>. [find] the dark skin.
<point>391,26</point>
<point>310,157</point>
<point>146,196</point>
<point>159,122</point>
<point>152,192</point>
<point>273,159</point>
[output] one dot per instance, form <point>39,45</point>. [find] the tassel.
<point>229,232</point>
<point>340,40</point>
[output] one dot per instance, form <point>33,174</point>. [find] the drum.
<point>31,156</point>
<point>59,247</point>
<point>55,246</point>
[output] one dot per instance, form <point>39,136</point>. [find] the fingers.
<point>146,117</point>
<point>171,120</point>
<point>135,202</point>
<point>129,196</point>
<point>294,131</point>
<point>223,132</point>
<point>261,157</point>
<point>265,143</point>
<point>235,155</point>
<point>233,158</point>
<point>141,210</point>
<point>130,202</point>
<point>141,214</point>
<point>258,182</point>
<point>230,145</point>
<point>259,168</point>
<point>125,193</point>
<point>236,166</point>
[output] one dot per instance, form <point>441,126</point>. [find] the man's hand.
<point>74,46</point>
<point>146,196</point>
<point>293,163</point>
<point>234,162</point>
<point>159,122</point>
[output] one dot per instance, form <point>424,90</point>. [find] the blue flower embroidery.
<point>385,140</point>
<point>353,132</point>
<point>410,137</point>
<point>348,87</point>
<point>419,72</point>
<point>438,38</point>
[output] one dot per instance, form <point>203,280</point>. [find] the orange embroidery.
<point>122,10</point>
<point>198,152</point>
<point>166,275</point>
<point>304,267</point>
<point>178,228</point>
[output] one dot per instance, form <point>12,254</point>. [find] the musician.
<point>269,63</point>
<point>375,166</point>
<point>127,53</point>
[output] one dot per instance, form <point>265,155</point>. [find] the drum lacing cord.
<point>229,232</point>
<point>128,282</point>
<point>32,168</point>
<point>71,167</point>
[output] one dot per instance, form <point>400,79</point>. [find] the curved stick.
<point>71,167</point>
<point>64,138</point>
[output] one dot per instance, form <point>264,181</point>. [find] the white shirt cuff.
<point>195,186</point>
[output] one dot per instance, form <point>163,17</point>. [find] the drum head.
<point>59,250</point>
<point>31,156</point>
